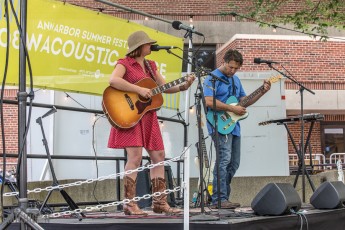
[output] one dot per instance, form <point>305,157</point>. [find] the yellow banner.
<point>75,49</point>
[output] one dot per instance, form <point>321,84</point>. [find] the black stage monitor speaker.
<point>143,187</point>
<point>329,195</point>
<point>170,185</point>
<point>276,199</point>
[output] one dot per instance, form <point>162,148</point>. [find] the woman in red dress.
<point>146,133</point>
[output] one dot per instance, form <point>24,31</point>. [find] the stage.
<point>238,219</point>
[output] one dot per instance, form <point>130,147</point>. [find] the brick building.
<point>11,125</point>
<point>320,66</point>
<point>317,65</point>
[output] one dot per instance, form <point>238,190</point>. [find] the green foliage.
<point>311,16</point>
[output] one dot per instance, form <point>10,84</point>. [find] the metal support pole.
<point>22,97</point>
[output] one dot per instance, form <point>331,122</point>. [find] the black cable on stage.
<point>31,93</point>
<point>2,110</point>
<point>306,220</point>
<point>301,216</point>
<point>93,144</point>
<point>95,153</point>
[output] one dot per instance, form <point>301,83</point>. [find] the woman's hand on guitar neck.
<point>189,82</point>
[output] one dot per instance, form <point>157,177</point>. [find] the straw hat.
<point>137,39</point>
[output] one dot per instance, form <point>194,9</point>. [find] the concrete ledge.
<point>244,189</point>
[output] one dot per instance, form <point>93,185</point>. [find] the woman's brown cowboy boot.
<point>132,207</point>
<point>160,203</point>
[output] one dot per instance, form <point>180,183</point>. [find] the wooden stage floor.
<point>241,218</point>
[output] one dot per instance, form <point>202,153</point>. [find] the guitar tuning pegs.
<point>203,71</point>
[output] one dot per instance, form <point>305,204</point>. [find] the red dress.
<point>146,133</point>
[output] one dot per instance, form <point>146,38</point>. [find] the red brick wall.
<point>315,138</point>
<point>11,125</point>
<point>202,10</point>
<point>320,64</point>
<point>159,7</point>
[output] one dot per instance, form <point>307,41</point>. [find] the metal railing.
<point>334,157</point>
<point>116,159</point>
<point>318,160</point>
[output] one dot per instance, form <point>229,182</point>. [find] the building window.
<point>332,138</point>
<point>205,56</point>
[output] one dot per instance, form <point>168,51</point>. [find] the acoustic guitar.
<point>125,109</point>
<point>227,120</point>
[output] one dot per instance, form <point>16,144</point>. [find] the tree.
<point>311,16</point>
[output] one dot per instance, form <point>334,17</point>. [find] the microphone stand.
<point>216,139</point>
<point>18,213</point>
<point>44,208</point>
<point>202,216</point>
<point>216,135</point>
<point>198,96</point>
<point>302,150</point>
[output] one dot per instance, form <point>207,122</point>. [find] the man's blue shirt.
<point>223,92</point>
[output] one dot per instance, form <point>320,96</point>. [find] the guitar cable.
<point>301,215</point>
<point>2,114</point>
<point>95,153</point>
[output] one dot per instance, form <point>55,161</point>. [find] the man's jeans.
<point>229,161</point>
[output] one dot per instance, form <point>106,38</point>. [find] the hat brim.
<point>147,41</point>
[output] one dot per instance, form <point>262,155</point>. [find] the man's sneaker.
<point>226,205</point>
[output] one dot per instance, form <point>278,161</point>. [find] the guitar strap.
<point>147,64</point>
<point>233,86</point>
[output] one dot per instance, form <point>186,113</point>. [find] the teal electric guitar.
<point>227,120</point>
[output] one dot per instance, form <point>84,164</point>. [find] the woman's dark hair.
<point>135,53</point>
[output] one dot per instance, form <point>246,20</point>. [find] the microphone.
<point>177,25</point>
<point>158,48</point>
<point>259,61</point>
<point>53,110</point>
